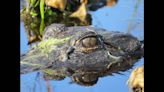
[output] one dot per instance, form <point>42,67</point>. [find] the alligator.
<point>83,53</point>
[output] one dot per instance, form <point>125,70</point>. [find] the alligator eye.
<point>89,42</point>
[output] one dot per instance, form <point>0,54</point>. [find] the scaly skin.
<point>83,53</point>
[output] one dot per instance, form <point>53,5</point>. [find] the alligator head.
<point>82,53</point>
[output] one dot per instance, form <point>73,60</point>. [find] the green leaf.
<point>49,11</point>
<point>33,13</point>
<point>32,2</point>
<point>42,25</point>
<point>36,4</point>
<point>42,9</point>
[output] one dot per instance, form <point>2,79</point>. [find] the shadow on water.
<point>126,16</point>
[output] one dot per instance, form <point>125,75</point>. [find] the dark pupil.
<point>89,42</point>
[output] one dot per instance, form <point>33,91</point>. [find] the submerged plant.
<point>37,14</point>
<point>131,25</point>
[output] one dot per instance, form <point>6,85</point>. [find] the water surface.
<point>124,17</point>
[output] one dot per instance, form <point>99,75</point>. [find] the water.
<point>122,17</point>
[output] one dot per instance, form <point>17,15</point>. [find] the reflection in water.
<point>117,18</point>
<point>131,26</point>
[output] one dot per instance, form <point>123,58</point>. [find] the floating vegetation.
<point>37,14</point>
